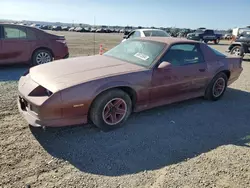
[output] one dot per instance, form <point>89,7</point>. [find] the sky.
<point>214,14</point>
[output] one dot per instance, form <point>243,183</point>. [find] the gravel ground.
<point>207,147</point>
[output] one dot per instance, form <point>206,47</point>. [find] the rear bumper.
<point>34,120</point>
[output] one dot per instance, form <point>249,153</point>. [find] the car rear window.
<point>217,52</point>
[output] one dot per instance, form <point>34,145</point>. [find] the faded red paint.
<point>21,50</point>
<point>77,82</point>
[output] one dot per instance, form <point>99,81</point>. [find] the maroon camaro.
<point>24,44</point>
<point>136,75</point>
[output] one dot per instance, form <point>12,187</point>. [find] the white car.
<point>146,33</point>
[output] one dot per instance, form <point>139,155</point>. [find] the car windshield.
<point>138,52</point>
<point>199,31</point>
<point>155,33</point>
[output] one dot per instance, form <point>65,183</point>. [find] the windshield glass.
<point>199,31</point>
<point>155,33</point>
<point>138,52</point>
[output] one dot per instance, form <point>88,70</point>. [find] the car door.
<point>15,45</point>
<point>185,78</point>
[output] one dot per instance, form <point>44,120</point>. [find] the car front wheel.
<point>217,87</point>
<point>111,109</point>
<point>41,57</point>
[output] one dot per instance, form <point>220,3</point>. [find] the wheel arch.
<point>42,48</point>
<point>235,44</point>
<point>127,89</point>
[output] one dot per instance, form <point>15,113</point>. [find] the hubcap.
<point>114,111</point>
<point>236,51</point>
<point>219,87</point>
<point>43,57</point>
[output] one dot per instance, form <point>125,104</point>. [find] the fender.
<point>111,85</point>
<point>244,46</point>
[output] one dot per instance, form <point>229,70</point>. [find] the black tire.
<point>37,53</point>
<point>237,50</point>
<point>99,106</point>
<point>216,41</point>
<point>209,94</point>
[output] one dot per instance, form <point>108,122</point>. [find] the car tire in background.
<point>111,109</point>
<point>237,50</point>
<point>216,41</point>
<point>217,87</point>
<point>41,56</point>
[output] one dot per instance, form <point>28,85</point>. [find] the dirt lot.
<point>192,144</point>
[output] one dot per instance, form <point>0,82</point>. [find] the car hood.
<point>62,74</point>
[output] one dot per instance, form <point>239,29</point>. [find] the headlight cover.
<point>40,92</point>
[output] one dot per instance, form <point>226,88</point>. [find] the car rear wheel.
<point>237,51</point>
<point>216,41</point>
<point>41,57</point>
<point>217,87</point>
<point>111,109</point>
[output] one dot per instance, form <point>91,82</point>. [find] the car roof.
<point>9,24</point>
<point>168,40</point>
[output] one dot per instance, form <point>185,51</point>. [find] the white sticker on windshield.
<point>141,56</point>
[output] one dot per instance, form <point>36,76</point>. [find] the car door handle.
<point>202,70</point>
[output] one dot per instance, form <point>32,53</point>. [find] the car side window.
<point>184,54</point>
<point>14,33</point>
<point>135,34</point>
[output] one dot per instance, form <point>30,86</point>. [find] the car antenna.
<point>94,35</point>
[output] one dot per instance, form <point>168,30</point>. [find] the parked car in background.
<point>228,36</point>
<point>24,44</point>
<point>46,27</point>
<point>93,30</point>
<point>36,26</point>
<point>79,29</point>
<point>146,33</point>
<point>136,75</point>
<point>56,28</point>
<point>241,45</point>
<point>65,28</point>
<point>100,30</point>
<point>205,35</point>
<point>72,29</point>
<point>87,29</point>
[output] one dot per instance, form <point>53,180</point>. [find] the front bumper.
<point>35,121</point>
<point>32,109</point>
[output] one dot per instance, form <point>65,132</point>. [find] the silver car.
<point>146,33</point>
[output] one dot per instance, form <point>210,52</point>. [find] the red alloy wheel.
<point>114,111</point>
<point>219,87</point>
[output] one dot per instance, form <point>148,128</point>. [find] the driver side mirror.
<point>165,65</point>
<point>125,36</point>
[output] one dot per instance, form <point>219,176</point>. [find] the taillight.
<point>61,41</point>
